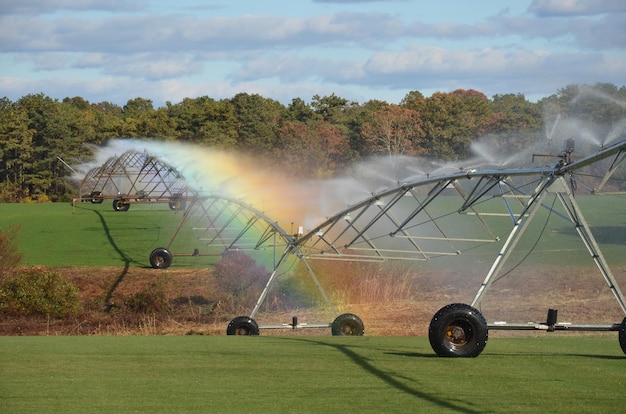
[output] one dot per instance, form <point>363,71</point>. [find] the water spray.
<point>384,213</point>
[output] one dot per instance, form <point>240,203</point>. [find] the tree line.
<point>314,140</point>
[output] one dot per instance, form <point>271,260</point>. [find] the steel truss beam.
<point>418,220</point>
<point>134,177</point>
<point>559,187</point>
<point>619,158</point>
<point>226,224</point>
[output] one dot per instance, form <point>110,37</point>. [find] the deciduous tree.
<point>394,130</point>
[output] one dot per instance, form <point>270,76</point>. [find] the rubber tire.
<point>463,320</point>
<point>347,324</point>
<point>160,258</point>
<point>96,197</point>
<point>120,205</point>
<point>177,204</point>
<point>242,325</point>
<point>622,336</point>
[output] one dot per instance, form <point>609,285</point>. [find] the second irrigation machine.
<point>432,216</point>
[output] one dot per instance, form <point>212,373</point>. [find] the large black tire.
<point>458,330</point>
<point>347,325</point>
<point>120,205</point>
<point>622,336</point>
<point>242,325</point>
<point>160,258</point>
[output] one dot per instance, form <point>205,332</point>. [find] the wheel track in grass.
<point>127,261</point>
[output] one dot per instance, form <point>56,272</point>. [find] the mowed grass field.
<point>59,234</point>
<point>89,235</point>
<point>547,373</point>
<point>302,374</point>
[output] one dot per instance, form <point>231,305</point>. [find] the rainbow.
<point>289,202</point>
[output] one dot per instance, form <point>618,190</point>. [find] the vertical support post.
<point>274,275</point>
<point>269,283</point>
<point>182,221</point>
<point>559,187</point>
<point>576,216</point>
<point>621,155</point>
<point>519,227</point>
<point>317,283</point>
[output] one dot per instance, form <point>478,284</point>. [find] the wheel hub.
<point>456,335</point>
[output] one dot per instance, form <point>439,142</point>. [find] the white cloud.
<point>560,8</point>
<point>125,34</point>
<point>46,6</point>
<point>47,61</point>
<point>452,30</point>
<point>176,33</point>
<point>436,61</point>
<point>285,66</point>
<point>150,66</point>
<point>488,70</point>
<point>118,50</point>
<point>603,33</point>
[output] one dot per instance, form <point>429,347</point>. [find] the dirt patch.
<point>140,301</point>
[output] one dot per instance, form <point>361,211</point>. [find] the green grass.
<point>550,374</point>
<point>550,238</point>
<point>267,374</point>
<point>55,234</point>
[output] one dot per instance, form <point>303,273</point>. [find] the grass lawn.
<point>548,374</point>
<point>291,374</point>
<point>56,234</point>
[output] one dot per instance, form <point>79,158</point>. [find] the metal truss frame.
<point>134,177</point>
<point>225,224</point>
<point>417,220</point>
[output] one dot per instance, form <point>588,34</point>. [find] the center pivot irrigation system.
<point>433,216</point>
<point>134,178</point>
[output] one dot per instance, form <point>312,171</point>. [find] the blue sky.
<point>116,50</point>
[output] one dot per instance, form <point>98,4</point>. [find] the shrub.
<point>151,300</point>
<point>240,277</point>
<point>236,273</point>
<point>10,255</point>
<point>35,291</point>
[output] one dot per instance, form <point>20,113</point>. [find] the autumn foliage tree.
<point>308,139</point>
<point>311,150</point>
<point>394,130</point>
<point>452,121</point>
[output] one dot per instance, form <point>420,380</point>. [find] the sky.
<point>165,51</point>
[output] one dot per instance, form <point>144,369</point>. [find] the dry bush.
<point>392,299</point>
<point>10,255</point>
<point>149,300</point>
<point>240,281</point>
<point>366,282</point>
